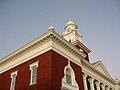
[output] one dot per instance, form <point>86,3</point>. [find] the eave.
<point>81,45</point>
<point>34,43</point>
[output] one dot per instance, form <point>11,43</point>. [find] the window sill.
<point>32,84</point>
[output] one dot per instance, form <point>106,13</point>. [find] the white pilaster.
<point>91,81</point>
<point>85,82</point>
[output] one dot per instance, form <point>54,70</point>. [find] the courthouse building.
<point>54,62</point>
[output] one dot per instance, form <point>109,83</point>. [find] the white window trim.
<point>32,65</point>
<point>73,85</point>
<point>13,73</point>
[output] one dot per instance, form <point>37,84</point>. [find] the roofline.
<point>100,62</point>
<point>38,40</point>
<point>90,65</point>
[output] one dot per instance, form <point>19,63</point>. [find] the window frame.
<point>13,80</point>
<point>33,76</point>
<point>74,84</point>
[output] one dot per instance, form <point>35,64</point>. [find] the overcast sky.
<point>98,20</point>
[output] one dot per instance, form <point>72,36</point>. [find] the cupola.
<point>71,33</point>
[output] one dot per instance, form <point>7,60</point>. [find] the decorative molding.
<point>100,67</point>
<point>89,69</point>
<point>31,68</point>
<point>38,41</point>
<point>48,41</point>
<point>34,64</point>
<point>81,45</point>
<point>14,73</point>
<point>67,54</point>
<point>73,85</point>
<point>24,58</point>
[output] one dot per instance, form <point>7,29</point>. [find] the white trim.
<point>51,34</point>
<point>67,54</point>
<point>81,45</point>
<point>100,67</point>
<point>89,69</point>
<point>26,57</point>
<point>73,85</point>
<point>31,69</point>
<point>47,45</point>
<point>33,64</point>
<point>15,72</point>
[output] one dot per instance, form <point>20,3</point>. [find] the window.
<point>68,76</point>
<point>34,74</point>
<point>33,68</point>
<point>13,80</point>
<point>68,81</point>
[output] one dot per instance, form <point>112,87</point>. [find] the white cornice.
<point>81,45</point>
<point>26,47</point>
<point>38,41</point>
<point>48,41</point>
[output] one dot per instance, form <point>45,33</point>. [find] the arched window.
<point>68,81</point>
<point>68,76</point>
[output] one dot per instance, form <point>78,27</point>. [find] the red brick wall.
<point>78,75</point>
<point>87,56</point>
<point>58,65</point>
<point>23,75</point>
<point>50,73</point>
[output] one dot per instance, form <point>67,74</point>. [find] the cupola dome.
<point>71,23</point>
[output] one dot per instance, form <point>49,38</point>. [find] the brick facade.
<point>50,73</point>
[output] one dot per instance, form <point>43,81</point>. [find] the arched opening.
<point>68,81</point>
